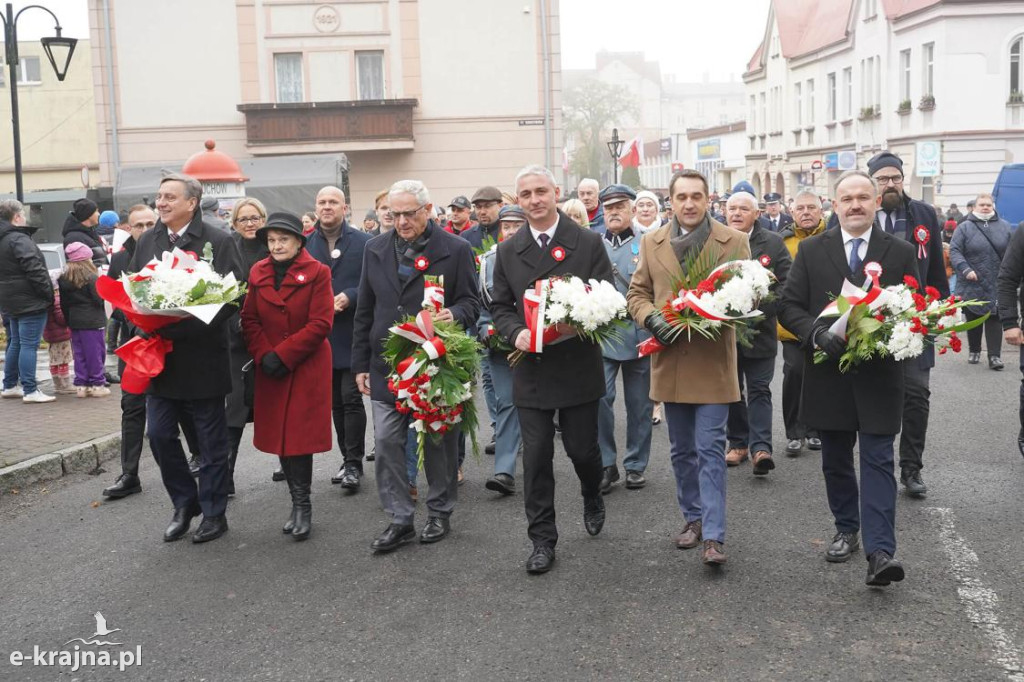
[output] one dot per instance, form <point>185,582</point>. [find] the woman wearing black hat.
<point>286,318</point>
<point>80,226</point>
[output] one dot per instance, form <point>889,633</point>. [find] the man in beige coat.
<point>695,377</point>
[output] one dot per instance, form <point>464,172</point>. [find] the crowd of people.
<point>323,294</point>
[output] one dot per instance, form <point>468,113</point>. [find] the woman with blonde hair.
<point>575,209</point>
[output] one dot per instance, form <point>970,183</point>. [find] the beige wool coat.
<point>697,371</point>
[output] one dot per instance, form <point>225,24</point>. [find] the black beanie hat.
<point>83,209</point>
<point>884,160</point>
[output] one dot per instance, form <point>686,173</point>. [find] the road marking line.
<point>980,602</point>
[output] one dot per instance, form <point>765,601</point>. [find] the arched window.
<point>1015,54</point>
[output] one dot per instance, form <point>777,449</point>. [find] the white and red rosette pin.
<point>421,263</point>
<point>765,260</point>
<point>873,271</point>
<point>558,253</point>
<point>921,236</point>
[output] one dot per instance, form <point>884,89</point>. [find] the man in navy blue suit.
<point>865,404</point>
<point>339,246</point>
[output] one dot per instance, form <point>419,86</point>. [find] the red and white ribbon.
<point>422,333</point>
<point>690,298</point>
<point>870,295</point>
<point>433,297</point>
<point>535,303</point>
<point>171,260</point>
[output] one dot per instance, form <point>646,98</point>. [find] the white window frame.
<point>928,69</point>
<point>383,75</point>
<point>23,68</point>
<point>810,101</point>
<point>798,95</point>
<point>848,91</point>
<point>833,95</point>
<point>1016,64</point>
<point>278,80</point>
<point>905,66</point>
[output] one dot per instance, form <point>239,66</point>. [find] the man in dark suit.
<point>390,289</point>
<point>196,376</point>
<point>915,222</point>
<point>567,377</point>
<point>774,215</point>
<point>864,404</point>
<point>339,246</point>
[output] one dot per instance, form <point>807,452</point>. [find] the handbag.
<point>249,383</point>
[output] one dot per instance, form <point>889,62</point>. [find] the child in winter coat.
<point>58,337</point>
<point>84,313</point>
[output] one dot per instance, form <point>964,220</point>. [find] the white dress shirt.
<point>847,246</point>
<point>550,232</point>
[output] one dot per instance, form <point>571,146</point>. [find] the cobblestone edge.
<point>76,459</point>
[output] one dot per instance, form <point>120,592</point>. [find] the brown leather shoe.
<point>712,554</point>
<point>690,535</point>
<point>763,463</point>
<point>735,456</point>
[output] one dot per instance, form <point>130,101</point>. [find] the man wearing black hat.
<point>80,226</point>
<point>623,247</point>
<point>340,247</point>
<point>916,222</point>
<point>773,212</point>
<point>460,212</point>
<point>486,203</point>
<point>196,377</point>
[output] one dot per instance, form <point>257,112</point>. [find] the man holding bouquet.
<point>695,376</point>
<point>196,377</point>
<point>866,404</point>
<point>567,378</point>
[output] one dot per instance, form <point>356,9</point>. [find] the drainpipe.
<point>547,81</point>
<point>111,96</point>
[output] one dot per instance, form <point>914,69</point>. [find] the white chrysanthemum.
<point>904,344</point>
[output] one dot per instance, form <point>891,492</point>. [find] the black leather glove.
<point>833,344</point>
<point>659,327</point>
<point>273,367</point>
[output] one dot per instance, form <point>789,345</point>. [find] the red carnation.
<point>954,342</point>
<point>932,293</point>
<point>910,282</point>
<point>706,287</point>
<point>919,302</point>
<point>880,317</point>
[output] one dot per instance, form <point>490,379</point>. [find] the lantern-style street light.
<point>615,148</point>
<point>58,50</point>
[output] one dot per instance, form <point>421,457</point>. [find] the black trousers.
<point>349,416</point>
<point>164,414</point>
<point>133,430</point>
<point>916,407</point>
<point>792,382</point>
<point>579,436</point>
<point>993,331</point>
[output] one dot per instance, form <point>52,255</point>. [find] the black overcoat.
<point>869,397</point>
<point>568,373</point>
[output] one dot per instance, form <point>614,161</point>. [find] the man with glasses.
<point>390,289</point>
<point>340,246</point>
<point>917,223</point>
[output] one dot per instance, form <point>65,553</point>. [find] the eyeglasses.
<point>889,180</point>
<point>249,221</point>
<point>398,215</point>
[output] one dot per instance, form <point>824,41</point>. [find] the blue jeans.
<point>488,383</point>
<point>636,389</point>
<point>507,437</point>
<point>411,458</point>
<point>22,346</point>
<point>696,434</point>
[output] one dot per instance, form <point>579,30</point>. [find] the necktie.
<point>173,236</point>
<point>889,227</point>
<point>543,239</point>
<point>855,261</point>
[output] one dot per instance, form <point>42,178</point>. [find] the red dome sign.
<point>213,166</point>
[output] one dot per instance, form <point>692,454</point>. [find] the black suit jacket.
<point>769,246</point>
<point>565,374</point>
<point>384,300</point>
<point>346,270</point>
<point>198,367</point>
<point>869,397</point>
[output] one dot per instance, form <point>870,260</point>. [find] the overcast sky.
<point>689,38</point>
<point>35,23</point>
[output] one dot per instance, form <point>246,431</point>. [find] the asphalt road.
<point>625,605</point>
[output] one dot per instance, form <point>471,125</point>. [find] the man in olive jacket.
<point>196,377</point>
<point>567,377</point>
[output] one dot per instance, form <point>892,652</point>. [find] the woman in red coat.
<point>285,320</point>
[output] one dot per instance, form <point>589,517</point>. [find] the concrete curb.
<point>78,458</point>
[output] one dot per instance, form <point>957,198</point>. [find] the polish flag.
<point>632,155</point>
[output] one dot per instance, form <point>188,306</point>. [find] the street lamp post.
<point>615,148</point>
<point>56,48</point>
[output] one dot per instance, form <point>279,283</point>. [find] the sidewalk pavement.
<point>48,440</point>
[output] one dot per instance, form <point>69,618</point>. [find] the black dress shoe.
<point>180,522</point>
<point>541,560</point>
<point>995,362</point>
<point>490,447</point>
<point>794,446</point>
<point>883,569</point>
<point>111,378</point>
<point>501,483</point>
<point>350,477</point>
<point>912,482</point>
<point>593,514</point>
<point>635,480</point>
<point>973,358</point>
<point>814,444</point>
<point>211,528</point>
<point>609,476</point>
<point>372,455</point>
<point>126,484</point>
<point>193,466</point>
<point>437,527</point>
<point>393,537</point>
<point>278,474</point>
<point>842,548</point>
<point>336,478</point>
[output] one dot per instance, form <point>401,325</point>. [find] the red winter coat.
<point>292,415</point>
